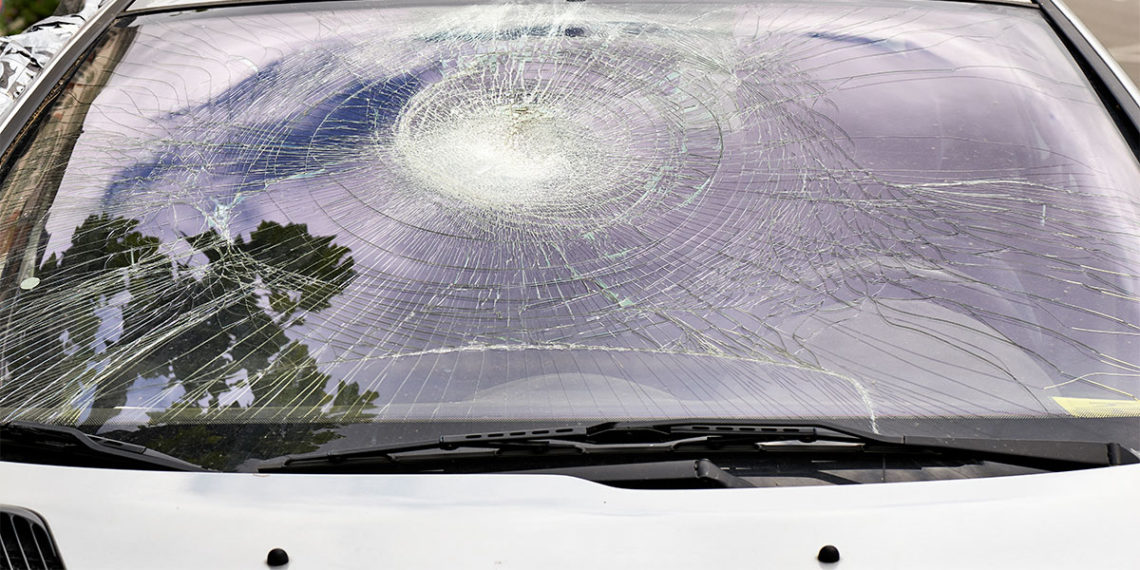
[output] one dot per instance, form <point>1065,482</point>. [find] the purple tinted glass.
<point>358,214</point>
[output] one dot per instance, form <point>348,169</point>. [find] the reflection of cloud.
<point>144,397</point>
<point>110,321</point>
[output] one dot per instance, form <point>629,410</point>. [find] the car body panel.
<point>138,519</point>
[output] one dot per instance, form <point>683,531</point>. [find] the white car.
<point>354,284</point>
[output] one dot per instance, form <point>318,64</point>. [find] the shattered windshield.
<point>356,213</point>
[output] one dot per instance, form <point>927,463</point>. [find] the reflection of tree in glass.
<point>213,332</point>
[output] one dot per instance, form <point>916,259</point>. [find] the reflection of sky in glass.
<point>570,210</point>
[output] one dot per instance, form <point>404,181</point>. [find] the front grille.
<point>25,543</point>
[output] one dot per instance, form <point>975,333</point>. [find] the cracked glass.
<point>358,212</point>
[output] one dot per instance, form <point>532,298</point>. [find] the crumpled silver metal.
<point>23,56</point>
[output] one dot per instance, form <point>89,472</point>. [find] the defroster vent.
<point>25,542</point>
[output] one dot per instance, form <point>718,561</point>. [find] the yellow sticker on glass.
<point>1096,408</point>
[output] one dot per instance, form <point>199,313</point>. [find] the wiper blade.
<point>699,473</point>
<point>32,442</point>
<point>651,437</point>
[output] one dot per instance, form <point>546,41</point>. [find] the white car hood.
<point>137,519</point>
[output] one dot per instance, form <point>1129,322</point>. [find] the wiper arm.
<point>1047,454</point>
<point>650,475</point>
<point>652,437</point>
<point>32,442</point>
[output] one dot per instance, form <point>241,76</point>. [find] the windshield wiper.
<point>653,438</point>
<point>650,475</point>
<point>31,442</point>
